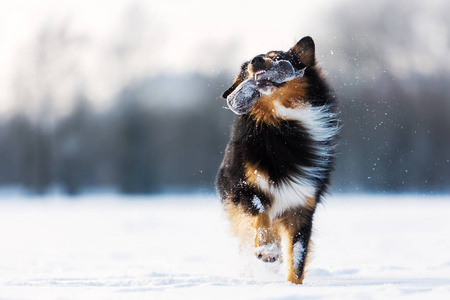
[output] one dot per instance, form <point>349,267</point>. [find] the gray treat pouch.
<point>280,72</point>
<point>242,99</point>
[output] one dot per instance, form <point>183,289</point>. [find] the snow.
<point>257,202</point>
<point>178,247</point>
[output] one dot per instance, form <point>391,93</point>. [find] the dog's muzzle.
<point>244,97</point>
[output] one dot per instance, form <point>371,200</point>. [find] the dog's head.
<point>275,76</point>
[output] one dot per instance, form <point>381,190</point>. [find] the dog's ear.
<point>239,79</point>
<point>235,84</point>
<point>305,51</point>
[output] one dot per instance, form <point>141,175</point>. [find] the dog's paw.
<point>268,253</point>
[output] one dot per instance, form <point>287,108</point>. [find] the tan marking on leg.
<point>254,176</point>
<point>268,63</point>
<point>287,241</point>
<point>251,230</point>
<point>239,221</point>
<point>264,234</point>
<point>291,274</point>
<point>287,226</point>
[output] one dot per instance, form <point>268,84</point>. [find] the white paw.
<point>268,253</point>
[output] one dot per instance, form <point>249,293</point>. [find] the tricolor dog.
<point>280,156</point>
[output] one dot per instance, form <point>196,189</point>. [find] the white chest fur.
<point>294,193</point>
<point>287,195</point>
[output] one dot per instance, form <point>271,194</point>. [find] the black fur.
<point>283,150</point>
<point>278,150</point>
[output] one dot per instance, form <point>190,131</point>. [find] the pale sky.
<point>190,29</point>
<point>197,35</point>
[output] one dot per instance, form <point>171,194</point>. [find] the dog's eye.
<point>276,58</point>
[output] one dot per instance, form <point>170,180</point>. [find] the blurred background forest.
<point>137,110</point>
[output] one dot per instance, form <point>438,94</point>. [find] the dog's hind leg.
<point>295,226</point>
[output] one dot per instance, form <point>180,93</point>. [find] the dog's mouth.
<point>242,99</point>
<point>257,74</point>
<point>264,85</point>
<point>268,80</point>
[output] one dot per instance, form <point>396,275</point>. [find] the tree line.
<point>394,138</point>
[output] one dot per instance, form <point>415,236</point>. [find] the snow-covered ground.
<point>366,247</point>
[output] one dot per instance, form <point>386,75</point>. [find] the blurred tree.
<point>167,132</point>
<point>393,96</point>
<point>74,149</point>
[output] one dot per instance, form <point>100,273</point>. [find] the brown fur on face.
<point>290,95</point>
<point>267,65</point>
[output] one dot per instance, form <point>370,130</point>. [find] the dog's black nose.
<point>257,60</point>
<point>258,63</point>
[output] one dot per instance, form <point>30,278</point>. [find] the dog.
<point>278,162</point>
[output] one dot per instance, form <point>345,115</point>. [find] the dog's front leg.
<point>296,227</point>
<point>252,224</point>
<point>265,241</point>
<point>300,248</point>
